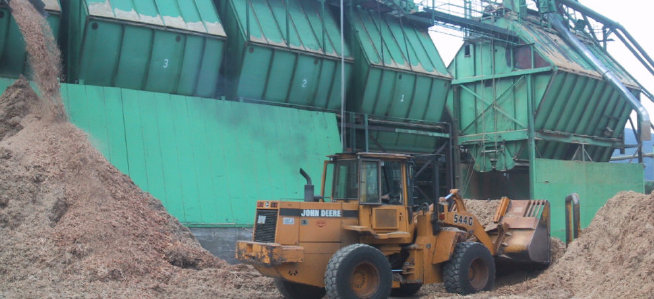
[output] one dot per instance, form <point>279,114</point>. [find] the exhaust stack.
<point>308,188</point>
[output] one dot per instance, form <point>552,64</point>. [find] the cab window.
<point>369,183</point>
<point>392,183</point>
<point>328,181</point>
<point>345,180</point>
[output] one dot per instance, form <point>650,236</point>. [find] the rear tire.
<point>470,270</point>
<point>406,290</point>
<point>294,290</point>
<point>358,271</point>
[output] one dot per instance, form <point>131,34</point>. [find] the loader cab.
<point>378,182</point>
<point>370,179</point>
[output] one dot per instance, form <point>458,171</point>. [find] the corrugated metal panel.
<point>163,46</point>
<point>207,160</point>
<point>398,75</point>
<point>557,51</point>
<point>388,43</point>
<point>570,97</point>
<point>310,27</point>
<point>594,182</point>
<point>597,110</point>
<point>52,5</point>
<point>13,56</point>
<point>295,62</point>
<point>195,15</point>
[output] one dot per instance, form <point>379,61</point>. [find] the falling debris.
<point>43,55</point>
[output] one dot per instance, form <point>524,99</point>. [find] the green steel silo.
<point>284,52</point>
<point>536,119</point>
<point>398,75</point>
<point>572,104</point>
<point>154,45</point>
<point>13,56</point>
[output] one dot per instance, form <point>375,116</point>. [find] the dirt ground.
<point>74,226</point>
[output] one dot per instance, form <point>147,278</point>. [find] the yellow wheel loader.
<point>366,237</point>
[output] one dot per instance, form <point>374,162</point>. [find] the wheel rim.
<point>478,274</point>
<point>364,280</point>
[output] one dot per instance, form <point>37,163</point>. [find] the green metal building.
<point>536,119</point>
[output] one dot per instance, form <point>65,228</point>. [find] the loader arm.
<point>452,217</point>
<point>522,227</point>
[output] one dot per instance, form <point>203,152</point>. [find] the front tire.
<point>293,290</point>
<point>358,271</point>
<point>470,270</point>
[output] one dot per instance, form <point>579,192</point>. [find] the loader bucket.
<point>526,226</point>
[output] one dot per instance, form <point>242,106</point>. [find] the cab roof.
<point>370,155</point>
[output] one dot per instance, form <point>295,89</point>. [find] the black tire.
<point>406,290</point>
<point>294,290</point>
<point>358,271</point>
<point>470,270</point>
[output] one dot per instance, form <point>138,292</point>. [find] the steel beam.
<point>576,139</point>
<point>474,25</point>
<point>501,76</point>
<point>493,137</point>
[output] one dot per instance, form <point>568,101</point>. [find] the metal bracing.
<point>577,139</point>
<point>516,73</point>
<point>495,104</point>
<point>376,132</point>
<point>519,135</point>
<point>367,125</point>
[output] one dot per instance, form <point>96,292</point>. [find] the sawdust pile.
<point>74,226</point>
<point>614,256</point>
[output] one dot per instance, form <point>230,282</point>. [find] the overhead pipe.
<point>631,157</point>
<point>625,37</point>
<point>633,51</point>
<point>430,14</point>
<point>640,53</point>
<point>644,121</point>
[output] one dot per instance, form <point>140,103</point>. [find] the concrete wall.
<point>221,241</point>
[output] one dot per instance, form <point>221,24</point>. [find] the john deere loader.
<point>365,237</point>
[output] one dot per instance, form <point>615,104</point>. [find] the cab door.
<point>382,186</point>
